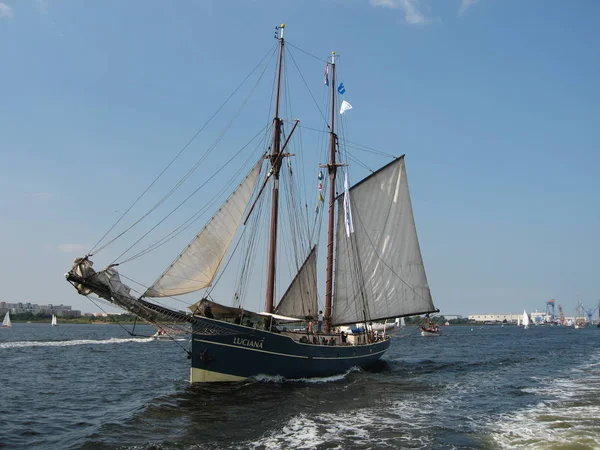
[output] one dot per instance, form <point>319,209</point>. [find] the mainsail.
<point>379,269</point>
<point>300,300</point>
<point>196,267</point>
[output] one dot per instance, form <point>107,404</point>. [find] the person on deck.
<point>319,321</point>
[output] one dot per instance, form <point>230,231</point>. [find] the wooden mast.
<point>275,166</point>
<point>332,171</point>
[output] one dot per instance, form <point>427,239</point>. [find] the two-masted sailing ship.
<point>373,270</point>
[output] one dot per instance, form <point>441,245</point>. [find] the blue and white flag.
<point>326,74</point>
<point>341,88</point>
<point>347,209</point>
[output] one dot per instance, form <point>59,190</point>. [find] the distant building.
<point>34,308</point>
<point>452,316</point>
<point>499,318</point>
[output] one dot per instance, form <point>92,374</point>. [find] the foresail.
<point>379,270</point>
<point>198,264</point>
<point>300,300</point>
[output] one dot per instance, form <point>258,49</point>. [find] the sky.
<point>495,103</point>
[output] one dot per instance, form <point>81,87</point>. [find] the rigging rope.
<point>271,52</point>
<point>187,198</point>
<point>194,218</point>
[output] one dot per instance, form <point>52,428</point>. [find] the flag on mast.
<point>345,107</point>
<point>326,74</point>
<point>347,207</point>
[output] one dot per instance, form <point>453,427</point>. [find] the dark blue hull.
<point>222,351</point>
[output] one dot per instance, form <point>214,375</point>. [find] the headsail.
<point>196,267</point>
<point>300,300</point>
<point>379,269</point>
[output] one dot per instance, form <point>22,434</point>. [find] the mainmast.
<point>275,166</point>
<point>332,171</point>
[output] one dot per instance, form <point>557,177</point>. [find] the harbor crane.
<point>550,306</point>
<point>590,312</point>
<point>561,316</point>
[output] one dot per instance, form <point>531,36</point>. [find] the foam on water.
<point>24,344</point>
<point>392,425</point>
<point>571,416</point>
<point>262,378</point>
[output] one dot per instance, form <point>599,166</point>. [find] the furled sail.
<point>196,267</point>
<point>300,299</point>
<point>379,269</point>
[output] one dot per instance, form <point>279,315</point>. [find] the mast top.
<point>333,57</point>
<point>281,28</point>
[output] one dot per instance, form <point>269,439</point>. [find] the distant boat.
<point>525,320</point>
<point>54,324</point>
<point>403,323</point>
<point>430,329</point>
<point>6,323</point>
<point>161,333</point>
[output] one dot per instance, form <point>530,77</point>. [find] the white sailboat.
<point>580,319</point>
<point>6,323</point>
<point>525,319</point>
<point>402,322</point>
<point>54,324</point>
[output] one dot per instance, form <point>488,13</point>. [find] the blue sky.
<point>495,103</point>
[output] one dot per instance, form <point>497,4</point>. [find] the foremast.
<point>332,173</point>
<point>275,159</point>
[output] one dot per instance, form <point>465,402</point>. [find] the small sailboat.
<point>402,323</point>
<point>54,323</point>
<point>6,323</point>
<point>525,319</point>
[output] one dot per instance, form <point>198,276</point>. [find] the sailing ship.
<point>525,320</point>
<point>6,323</point>
<point>54,323</point>
<point>379,272</point>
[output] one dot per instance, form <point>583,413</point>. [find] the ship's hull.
<point>222,351</point>
<point>430,333</point>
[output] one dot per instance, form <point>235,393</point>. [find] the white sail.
<point>402,322</point>
<point>6,323</point>
<point>54,324</point>
<point>379,268</point>
<point>525,319</point>
<point>300,299</point>
<point>196,267</point>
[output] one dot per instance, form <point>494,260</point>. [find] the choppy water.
<point>96,387</point>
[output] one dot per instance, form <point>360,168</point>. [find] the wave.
<point>569,415</point>
<point>392,427</point>
<point>24,344</point>
<point>261,378</point>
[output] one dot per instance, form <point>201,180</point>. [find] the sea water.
<point>491,387</point>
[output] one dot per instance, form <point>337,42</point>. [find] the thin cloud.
<point>71,248</point>
<point>6,11</point>
<point>411,9</point>
<point>466,4</point>
<point>42,6</point>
